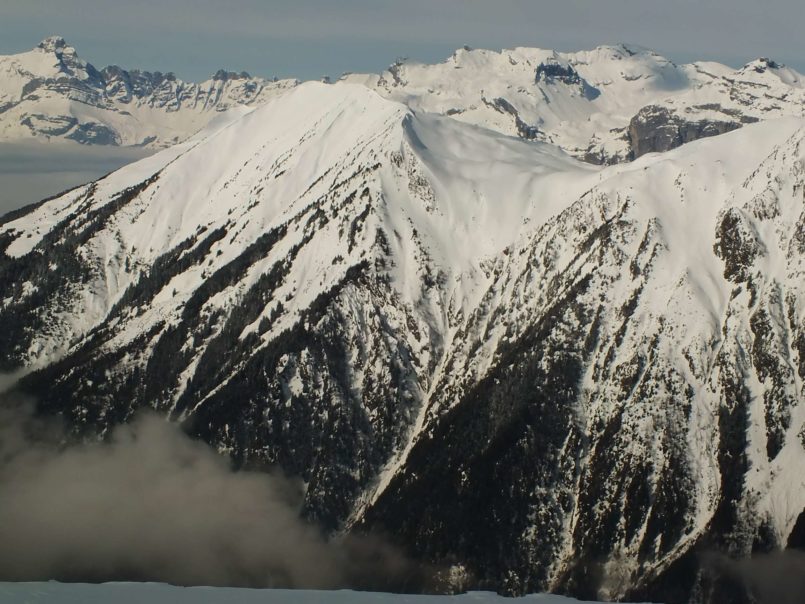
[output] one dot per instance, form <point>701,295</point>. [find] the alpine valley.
<point>537,316</point>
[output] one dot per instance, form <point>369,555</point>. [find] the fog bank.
<point>151,504</point>
<point>32,171</point>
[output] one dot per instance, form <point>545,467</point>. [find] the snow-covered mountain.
<point>551,375</point>
<point>51,93</point>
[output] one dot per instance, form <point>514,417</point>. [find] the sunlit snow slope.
<point>551,375</point>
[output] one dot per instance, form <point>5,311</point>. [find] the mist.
<point>32,171</point>
<point>772,578</point>
<point>150,504</point>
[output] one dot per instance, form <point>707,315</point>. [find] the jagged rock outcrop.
<point>656,129</point>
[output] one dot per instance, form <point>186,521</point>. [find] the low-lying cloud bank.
<point>772,578</point>
<point>149,503</point>
<point>32,171</point>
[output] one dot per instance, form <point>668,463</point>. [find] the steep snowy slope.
<point>49,92</point>
<point>553,375</point>
<point>634,376</point>
<point>338,238</point>
<point>606,105</point>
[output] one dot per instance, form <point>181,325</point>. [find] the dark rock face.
<point>597,155</point>
<point>738,244</point>
<point>222,74</point>
<point>764,63</point>
<point>557,72</point>
<point>524,130</point>
<point>128,86</point>
<point>49,125</point>
<point>94,134</point>
<point>796,539</point>
<point>52,44</point>
<point>552,71</point>
<point>656,129</point>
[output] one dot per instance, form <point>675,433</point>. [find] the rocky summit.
<point>546,374</point>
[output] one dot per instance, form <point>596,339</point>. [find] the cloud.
<point>33,171</point>
<point>151,504</point>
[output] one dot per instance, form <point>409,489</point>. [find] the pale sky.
<point>311,38</point>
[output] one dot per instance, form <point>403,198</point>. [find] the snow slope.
<point>126,593</point>
<point>275,164</point>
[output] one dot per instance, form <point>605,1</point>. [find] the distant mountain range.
<point>51,93</point>
<point>548,374</point>
<point>607,105</point>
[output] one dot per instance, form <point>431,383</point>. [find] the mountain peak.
<point>53,43</point>
<point>632,49</point>
<point>772,72</point>
<point>223,74</point>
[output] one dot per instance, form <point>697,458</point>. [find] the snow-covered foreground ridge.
<point>553,376</point>
<point>606,105</point>
<point>154,593</point>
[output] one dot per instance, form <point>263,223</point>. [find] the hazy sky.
<point>311,38</point>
